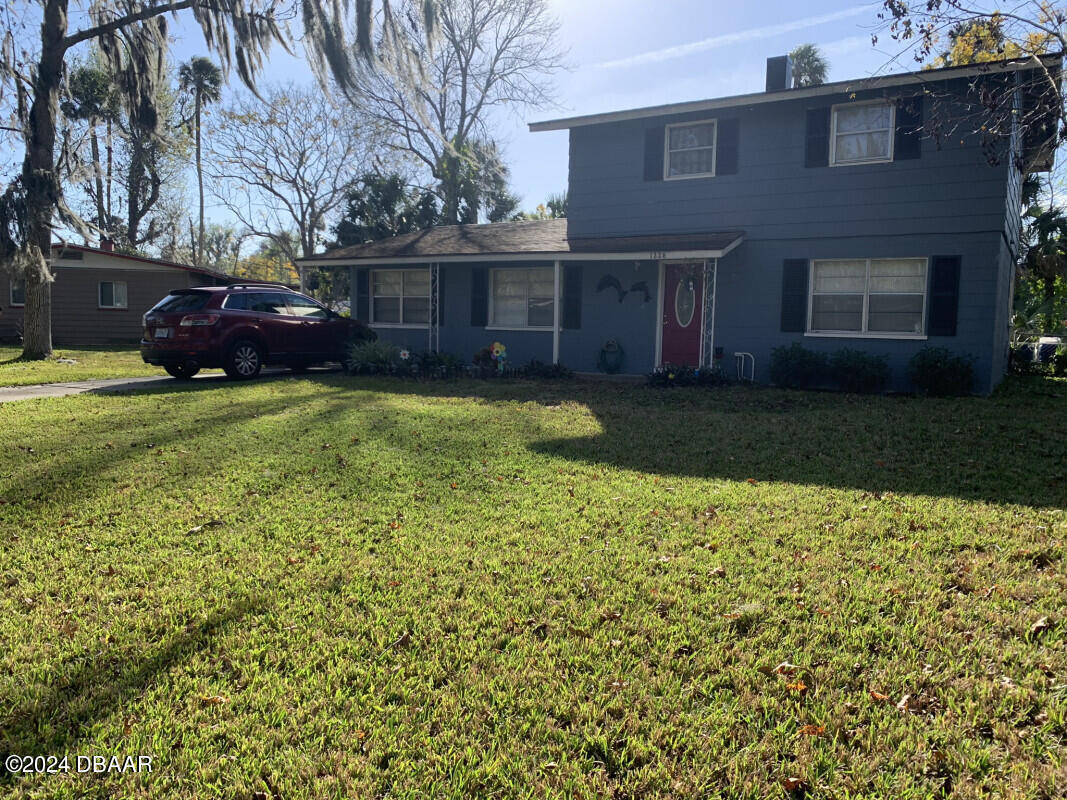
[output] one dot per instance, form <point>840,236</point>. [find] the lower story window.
<point>400,296</point>
<point>18,292</point>
<point>879,296</point>
<point>112,294</point>
<point>522,298</point>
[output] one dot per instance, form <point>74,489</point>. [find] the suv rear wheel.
<point>244,360</point>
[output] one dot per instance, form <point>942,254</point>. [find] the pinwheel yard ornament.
<point>500,356</point>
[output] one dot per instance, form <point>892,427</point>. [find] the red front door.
<point>683,313</point>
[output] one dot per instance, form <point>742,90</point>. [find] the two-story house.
<point>871,214</point>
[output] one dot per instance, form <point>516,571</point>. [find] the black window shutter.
<point>479,297</point>
<point>944,295</point>
<point>363,295</point>
<point>817,138</point>
<point>572,296</point>
<point>654,154</point>
<point>440,295</point>
<point>727,146</point>
<point>795,295</point>
<point>908,141</point>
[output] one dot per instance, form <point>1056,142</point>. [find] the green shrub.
<point>856,371</point>
<point>938,372</point>
<point>796,367</point>
<point>437,365</point>
<point>542,371</point>
<point>373,358</point>
<point>1059,363</point>
<point>671,375</point>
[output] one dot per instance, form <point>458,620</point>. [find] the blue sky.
<point>632,53</point>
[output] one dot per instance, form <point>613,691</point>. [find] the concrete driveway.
<point>9,394</point>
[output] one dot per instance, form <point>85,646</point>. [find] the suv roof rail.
<point>258,285</point>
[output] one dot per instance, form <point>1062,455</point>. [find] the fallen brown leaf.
<point>812,730</point>
<point>1040,626</point>
<point>794,784</point>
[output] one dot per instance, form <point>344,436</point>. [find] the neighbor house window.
<point>691,150</point>
<point>862,133</point>
<point>400,297</point>
<point>18,292</point>
<point>876,296</point>
<point>522,298</point>
<point>112,294</point>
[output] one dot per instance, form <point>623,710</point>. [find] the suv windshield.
<point>186,301</point>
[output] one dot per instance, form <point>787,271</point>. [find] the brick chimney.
<point>779,73</point>
<point>107,245</point>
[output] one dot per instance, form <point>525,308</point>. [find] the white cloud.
<point>723,40</point>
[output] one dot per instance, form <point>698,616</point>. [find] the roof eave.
<point>634,255</point>
<point>756,98</point>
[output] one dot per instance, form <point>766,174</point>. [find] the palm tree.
<point>201,77</point>
<point>1045,246</point>
<point>809,66</point>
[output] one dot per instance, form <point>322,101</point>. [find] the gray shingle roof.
<point>519,238</point>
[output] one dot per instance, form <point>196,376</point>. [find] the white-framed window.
<point>868,297</point>
<point>400,297</point>
<point>521,298</point>
<point>690,150</point>
<point>112,294</point>
<point>18,292</point>
<point>862,133</point>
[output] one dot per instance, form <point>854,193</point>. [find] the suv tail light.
<point>197,320</point>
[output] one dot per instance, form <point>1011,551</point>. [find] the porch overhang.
<point>534,241</point>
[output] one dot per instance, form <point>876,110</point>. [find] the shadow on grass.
<point>1002,449</point>
<point>92,469</point>
<point>55,719</point>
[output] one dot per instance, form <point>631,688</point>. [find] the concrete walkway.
<point>10,394</point>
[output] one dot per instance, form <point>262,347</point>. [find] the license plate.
<point>162,333</point>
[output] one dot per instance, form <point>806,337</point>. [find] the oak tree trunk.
<point>101,215</point>
<point>41,182</point>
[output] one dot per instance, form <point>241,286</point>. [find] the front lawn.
<point>88,363</point>
<point>333,587</point>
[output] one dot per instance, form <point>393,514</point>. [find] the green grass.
<point>91,363</point>
<point>369,588</point>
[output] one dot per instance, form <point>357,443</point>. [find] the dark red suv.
<point>242,327</point>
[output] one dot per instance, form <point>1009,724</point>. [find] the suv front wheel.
<point>244,360</point>
<point>181,371</point>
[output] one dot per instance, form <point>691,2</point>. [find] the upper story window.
<point>862,133</point>
<point>112,294</point>
<point>690,151</point>
<point>874,296</point>
<point>18,292</point>
<point>400,297</point>
<point>522,298</point>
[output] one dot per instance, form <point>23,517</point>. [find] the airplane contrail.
<point>678,51</point>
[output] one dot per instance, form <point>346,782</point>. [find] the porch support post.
<point>555,311</point>
<point>709,357</point>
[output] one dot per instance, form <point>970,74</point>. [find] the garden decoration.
<point>500,356</point>
<point>611,357</point>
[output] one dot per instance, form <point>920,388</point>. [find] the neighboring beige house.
<point>99,295</point>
